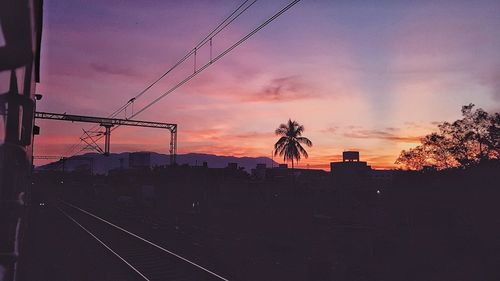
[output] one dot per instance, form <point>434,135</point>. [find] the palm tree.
<point>289,145</point>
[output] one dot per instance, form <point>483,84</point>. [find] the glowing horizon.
<point>372,77</point>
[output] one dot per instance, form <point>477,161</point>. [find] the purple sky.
<point>366,75</point>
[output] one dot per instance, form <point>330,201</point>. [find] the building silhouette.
<point>350,165</point>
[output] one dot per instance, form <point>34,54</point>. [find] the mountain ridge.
<point>103,164</point>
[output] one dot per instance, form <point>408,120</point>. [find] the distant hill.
<point>102,164</point>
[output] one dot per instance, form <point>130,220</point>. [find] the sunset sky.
<point>366,75</point>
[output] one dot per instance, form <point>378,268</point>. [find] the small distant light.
<point>42,204</point>
<point>62,182</point>
<point>378,191</point>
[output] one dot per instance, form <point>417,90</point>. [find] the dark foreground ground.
<point>421,227</point>
<point>56,249</point>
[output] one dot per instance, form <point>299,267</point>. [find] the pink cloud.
<point>281,90</point>
<point>315,71</point>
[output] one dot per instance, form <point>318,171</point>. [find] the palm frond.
<point>305,141</point>
<point>282,130</point>
<point>299,130</point>
<point>302,150</point>
<point>279,145</point>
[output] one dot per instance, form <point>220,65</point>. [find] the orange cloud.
<point>381,134</point>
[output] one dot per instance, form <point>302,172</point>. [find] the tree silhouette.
<point>463,143</point>
<point>289,145</point>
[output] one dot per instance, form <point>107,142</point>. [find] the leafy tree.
<point>492,140</point>
<point>463,143</point>
<point>289,145</point>
<point>413,159</point>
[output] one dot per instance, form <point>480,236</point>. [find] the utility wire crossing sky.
<point>358,75</point>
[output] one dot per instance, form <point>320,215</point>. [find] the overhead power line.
<point>228,20</point>
<point>212,61</point>
<point>225,52</point>
<point>208,38</point>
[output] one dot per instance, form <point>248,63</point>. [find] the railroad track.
<point>149,261</point>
